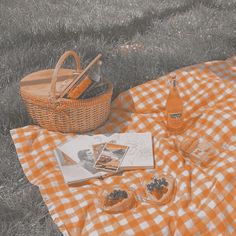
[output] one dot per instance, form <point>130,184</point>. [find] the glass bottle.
<point>174,107</point>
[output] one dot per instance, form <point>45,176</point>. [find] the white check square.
<point>225,129</point>
<point>65,200</point>
<point>217,122</point>
<point>212,204</point>
<point>103,218</point>
<point>221,216</point>
<point>220,177</point>
<point>197,192</point>
<point>209,131</point>
<point>141,105</point>
<point>144,225</point>
<point>84,203</point>
<point>75,219</point>
<point>189,224</point>
<point>181,212</point>
<point>201,176</point>
<point>182,186</point>
<point>151,210</point>
<point>123,222</point>
<point>78,196</point>
<point>129,232</point>
<point>141,126</point>
<point>201,214</point>
<point>70,211</point>
<point>165,230</point>
<point>108,228</point>
<point>210,226</point>
<point>137,215</point>
<point>229,209</point>
<point>158,219</point>
<point>90,225</point>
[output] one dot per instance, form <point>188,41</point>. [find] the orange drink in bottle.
<point>174,107</point>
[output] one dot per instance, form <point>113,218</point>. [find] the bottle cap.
<point>172,75</point>
<point>172,79</point>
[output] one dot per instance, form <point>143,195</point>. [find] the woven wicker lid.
<point>39,83</point>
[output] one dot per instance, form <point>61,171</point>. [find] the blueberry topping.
<point>117,194</point>
<point>157,184</point>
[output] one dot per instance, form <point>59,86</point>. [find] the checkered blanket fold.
<point>205,199</point>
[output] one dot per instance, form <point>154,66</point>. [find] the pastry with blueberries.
<point>115,197</point>
<point>160,189</point>
<point>117,200</point>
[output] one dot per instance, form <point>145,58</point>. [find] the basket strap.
<point>57,68</point>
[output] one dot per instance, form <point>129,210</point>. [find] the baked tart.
<point>117,200</point>
<point>159,189</point>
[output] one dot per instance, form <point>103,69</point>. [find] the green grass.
<point>34,34</point>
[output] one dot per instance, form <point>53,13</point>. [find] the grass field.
<point>171,34</point>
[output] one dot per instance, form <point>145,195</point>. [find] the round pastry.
<point>117,200</point>
<point>160,189</point>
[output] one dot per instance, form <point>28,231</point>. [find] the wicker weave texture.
<point>66,115</point>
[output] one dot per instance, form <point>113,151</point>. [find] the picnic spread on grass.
<point>191,189</point>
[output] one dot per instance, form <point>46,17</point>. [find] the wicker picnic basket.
<point>40,91</point>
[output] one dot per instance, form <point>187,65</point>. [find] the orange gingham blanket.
<point>205,199</point>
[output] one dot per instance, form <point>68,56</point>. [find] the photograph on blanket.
<point>97,149</point>
<point>111,157</point>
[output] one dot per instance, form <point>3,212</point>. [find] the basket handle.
<point>57,68</point>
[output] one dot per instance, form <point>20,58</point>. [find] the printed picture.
<point>97,149</point>
<point>64,159</point>
<point>111,157</point>
<point>86,160</point>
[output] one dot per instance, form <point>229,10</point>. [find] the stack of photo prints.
<point>91,156</point>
